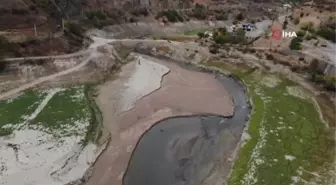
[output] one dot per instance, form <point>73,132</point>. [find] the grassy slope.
<point>71,111</point>
<point>96,118</point>
<point>281,125</point>
<point>195,32</point>
<point>13,111</point>
<point>62,111</point>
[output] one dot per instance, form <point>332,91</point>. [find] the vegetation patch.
<point>65,114</point>
<point>270,81</point>
<point>221,36</point>
<point>13,111</point>
<point>177,38</point>
<point>289,143</point>
<point>298,91</point>
<point>172,15</point>
<point>59,112</point>
<point>54,129</point>
<point>195,31</point>
<point>327,29</point>
<point>96,118</point>
<point>296,43</point>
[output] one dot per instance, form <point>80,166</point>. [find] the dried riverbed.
<point>183,92</point>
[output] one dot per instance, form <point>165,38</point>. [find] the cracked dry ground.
<point>182,92</point>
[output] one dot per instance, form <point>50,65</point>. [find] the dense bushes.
<point>240,17</point>
<point>328,82</point>
<point>222,17</point>
<point>223,37</point>
<point>95,14</point>
<point>172,15</point>
<point>73,28</point>
<point>200,12</point>
<point>213,49</point>
<point>327,29</point>
<point>327,33</point>
<point>296,43</point>
<point>74,33</point>
<point>140,11</point>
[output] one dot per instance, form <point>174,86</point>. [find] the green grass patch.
<point>178,38</point>
<point>5,132</point>
<point>13,111</point>
<point>71,111</point>
<point>195,31</point>
<point>65,114</point>
<point>96,118</point>
<point>288,140</point>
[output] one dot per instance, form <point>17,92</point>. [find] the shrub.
<point>213,49</point>
<point>201,35</point>
<point>316,78</point>
<point>301,33</point>
<point>139,12</point>
<point>222,17</point>
<point>295,68</point>
<point>295,43</point>
<point>132,20</point>
<point>200,11</point>
<point>327,33</point>
<point>19,11</point>
<point>285,23</point>
<point>308,27</point>
<point>330,83</point>
<point>221,39</point>
<point>240,16</point>
<point>95,14</point>
<point>296,21</point>
<point>2,66</point>
<point>73,29</point>
<point>269,56</point>
<point>301,14</point>
<point>313,67</point>
<point>171,15</point>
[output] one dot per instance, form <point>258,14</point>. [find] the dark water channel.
<point>185,150</point>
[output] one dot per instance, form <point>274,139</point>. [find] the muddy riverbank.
<point>190,150</point>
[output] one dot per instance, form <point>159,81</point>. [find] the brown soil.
<point>272,43</point>
<point>183,92</point>
<point>312,14</point>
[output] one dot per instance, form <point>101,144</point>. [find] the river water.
<point>187,150</point>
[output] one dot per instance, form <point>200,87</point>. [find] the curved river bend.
<point>187,150</point>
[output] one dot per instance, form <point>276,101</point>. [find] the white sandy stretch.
<point>146,79</point>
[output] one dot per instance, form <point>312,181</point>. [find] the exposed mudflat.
<point>182,92</point>
<point>191,150</point>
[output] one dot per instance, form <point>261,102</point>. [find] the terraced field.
<point>289,142</point>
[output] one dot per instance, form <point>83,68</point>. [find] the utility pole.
<point>35,32</point>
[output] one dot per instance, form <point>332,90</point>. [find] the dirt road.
<point>91,51</point>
